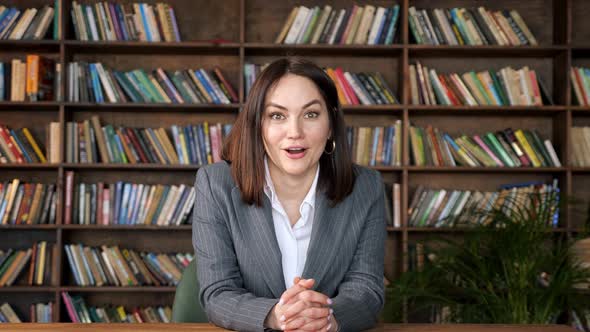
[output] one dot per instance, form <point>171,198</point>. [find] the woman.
<point>288,233</point>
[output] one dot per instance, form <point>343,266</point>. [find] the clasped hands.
<point>302,309</point>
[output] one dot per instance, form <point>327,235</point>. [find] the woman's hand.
<point>303,309</point>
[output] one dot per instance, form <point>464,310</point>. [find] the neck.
<point>292,187</point>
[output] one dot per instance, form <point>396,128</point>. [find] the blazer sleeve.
<point>221,293</point>
<point>361,294</point>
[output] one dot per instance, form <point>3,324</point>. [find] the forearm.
<point>239,311</point>
<point>356,310</point>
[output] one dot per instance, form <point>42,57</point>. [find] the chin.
<point>295,169</point>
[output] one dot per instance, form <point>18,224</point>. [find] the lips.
<point>295,150</point>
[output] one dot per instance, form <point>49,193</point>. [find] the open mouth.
<point>295,151</point>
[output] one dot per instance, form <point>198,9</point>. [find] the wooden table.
<point>63,327</point>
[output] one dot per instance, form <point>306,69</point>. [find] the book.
<point>479,26</point>
<point>113,266</point>
<point>432,207</point>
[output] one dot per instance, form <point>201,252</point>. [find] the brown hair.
<point>244,148</point>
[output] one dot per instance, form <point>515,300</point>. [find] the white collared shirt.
<point>293,241</point>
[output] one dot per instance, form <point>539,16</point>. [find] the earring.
<point>333,148</point>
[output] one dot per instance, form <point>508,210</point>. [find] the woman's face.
<point>295,126</point>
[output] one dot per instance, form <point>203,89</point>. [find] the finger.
<point>293,310</point>
<point>306,283</point>
<point>294,290</point>
<point>294,324</point>
<point>321,324</point>
<point>315,312</point>
<point>315,297</point>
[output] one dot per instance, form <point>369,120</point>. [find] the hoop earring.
<point>333,148</point>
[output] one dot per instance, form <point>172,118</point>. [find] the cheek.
<point>319,132</point>
<point>271,135</point>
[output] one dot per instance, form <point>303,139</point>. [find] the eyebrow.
<point>315,101</point>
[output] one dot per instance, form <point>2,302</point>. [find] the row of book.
<point>362,88</point>
<point>463,208</point>
<point>124,267</point>
<point>376,146</point>
<point>367,24</point>
<point>7,314</point>
<point>30,24</point>
<point>41,312</point>
<point>464,26</point>
<point>138,21</point>
<point>27,203</point>
<point>42,269</point>
<point>94,82</point>
<point>126,203</point>
<point>20,146</point>
<point>581,147</point>
<point>580,78</point>
<point>504,148</point>
<point>35,79</point>
<point>80,312</point>
<point>506,86</point>
<point>90,142</point>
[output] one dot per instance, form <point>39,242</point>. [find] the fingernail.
<point>281,302</point>
<point>331,311</point>
<point>329,319</point>
<point>282,319</point>
<point>329,327</point>
<point>283,327</point>
<point>329,301</point>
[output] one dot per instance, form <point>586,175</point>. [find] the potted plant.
<point>510,269</point>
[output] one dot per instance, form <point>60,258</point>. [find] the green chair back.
<point>187,308</point>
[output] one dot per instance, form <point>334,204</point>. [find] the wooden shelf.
<point>132,167</point>
<point>30,166</point>
<point>123,47</point>
<point>114,289</point>
<point>44,46</point>
<point>485,51</point>
<point>322,49</point>
<point>462,169</point>
<point>28,289</point>
<point>486,110</point>
<point>154,107</point>
<point>392,109</point>
<point>74,227</point>
<point>462,230</point>
<point>580,110</point>
<point>52,106</point>
<point>29,227</point>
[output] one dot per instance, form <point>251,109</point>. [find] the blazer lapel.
<point>324,235</point>
<point>259,232</point>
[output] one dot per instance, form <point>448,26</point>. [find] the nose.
<point>294,129</point>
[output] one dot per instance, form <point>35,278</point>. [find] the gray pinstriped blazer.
<point>239,261</point>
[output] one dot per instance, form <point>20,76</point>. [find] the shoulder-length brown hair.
<point>244,148</point>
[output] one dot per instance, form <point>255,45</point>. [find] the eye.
<point>276,116</point>
<point>312,115</point>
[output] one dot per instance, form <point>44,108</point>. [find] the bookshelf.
<point>231,33</point>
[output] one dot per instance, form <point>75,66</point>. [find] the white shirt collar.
<point>270,192</point>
